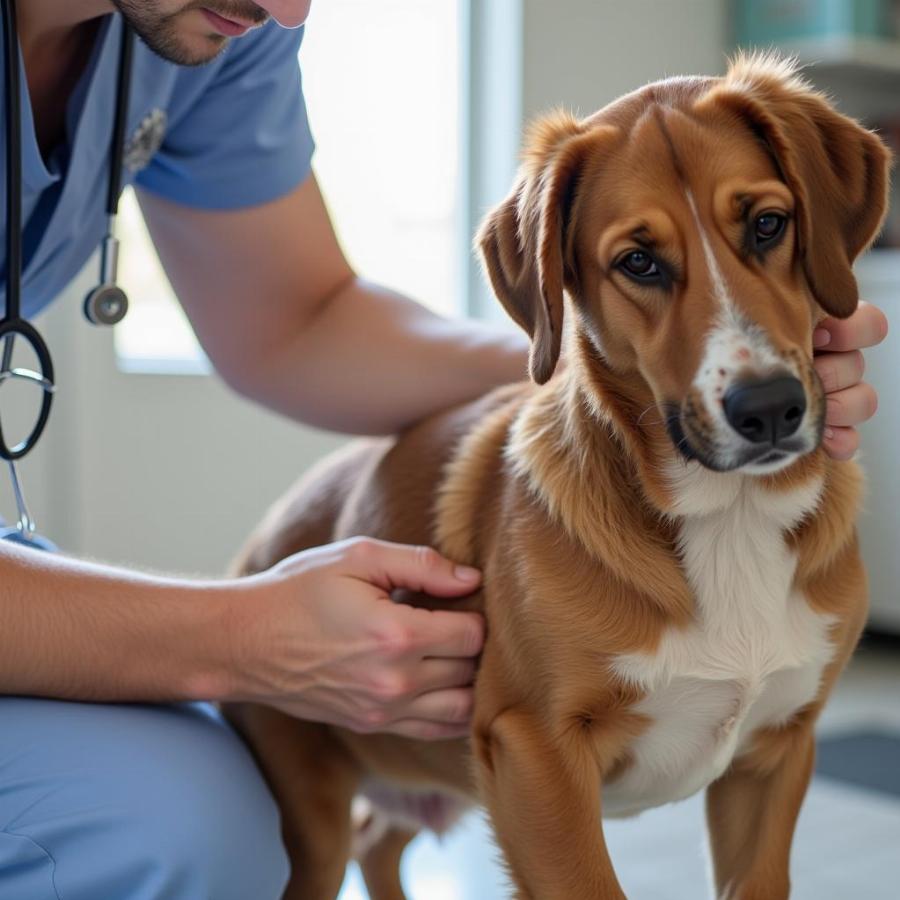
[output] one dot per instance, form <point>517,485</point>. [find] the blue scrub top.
<point>236,135</point>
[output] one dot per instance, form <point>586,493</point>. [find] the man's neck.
<point>54,20</point>
<point>56,37</point>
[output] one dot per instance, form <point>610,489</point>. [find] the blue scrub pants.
<point>116,802</point>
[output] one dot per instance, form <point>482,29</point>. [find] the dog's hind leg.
<point>380,865</point>
<point>313,778</point>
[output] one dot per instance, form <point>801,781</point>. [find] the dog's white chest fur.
<point>754,656</point>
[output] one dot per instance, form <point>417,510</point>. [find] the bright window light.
<point>381,82</point>
<point>155,335</point>
<point>382,86</point>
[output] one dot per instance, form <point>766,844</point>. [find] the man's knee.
<point>215,835</point>
<point>191,849</point>
<point>143,802</point>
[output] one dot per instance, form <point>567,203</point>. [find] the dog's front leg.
<point>544,801</point>
<point>752,812</point>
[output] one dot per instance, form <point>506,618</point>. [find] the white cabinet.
<point>863,77</point>
<point>879,278</point>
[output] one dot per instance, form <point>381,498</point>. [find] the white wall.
<point>879,524</point>
<point>584,53</point>
<point>530,56</point>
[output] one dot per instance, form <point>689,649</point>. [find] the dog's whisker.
<point>641,418</point>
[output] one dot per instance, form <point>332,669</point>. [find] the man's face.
<point>192,32</point>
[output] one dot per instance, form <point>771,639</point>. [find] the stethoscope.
<point>106,304</point>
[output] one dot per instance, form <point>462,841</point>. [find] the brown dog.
<point>672,582</point>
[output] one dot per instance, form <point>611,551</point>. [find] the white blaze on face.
<point>715,273</point>
<point>733,344</point>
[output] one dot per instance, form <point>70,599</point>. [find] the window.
<point>382,87</point>
<point>155,335</point>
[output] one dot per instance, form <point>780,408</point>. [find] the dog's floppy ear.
<point>523,241</point>
<point>836,169</point>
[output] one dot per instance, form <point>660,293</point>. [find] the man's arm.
<point>286,321</point>
<point>316,636</point>
<point>80,631</point>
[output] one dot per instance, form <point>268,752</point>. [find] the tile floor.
<point>847,845</point>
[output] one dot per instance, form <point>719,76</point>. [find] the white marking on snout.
<point>733,345</point>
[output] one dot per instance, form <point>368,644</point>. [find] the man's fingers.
<point>841,443</point>
<point>440,633</point>
<point>441,674</point>
<point>840,370</point>
<point>421,730</point>
<point>450,707</point>
<point>415,568</point>
<point>851,406</point>
<point>867,327</point>
<point>432,716</point>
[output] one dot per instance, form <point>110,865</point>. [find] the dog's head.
<point>701,227</point>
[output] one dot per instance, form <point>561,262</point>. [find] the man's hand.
<point>840,365</point>
<point>320,638</point>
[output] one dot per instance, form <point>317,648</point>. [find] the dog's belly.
<point>381,805</point>
<point>699,724</point>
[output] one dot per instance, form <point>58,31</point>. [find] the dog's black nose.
<point>764,412</point>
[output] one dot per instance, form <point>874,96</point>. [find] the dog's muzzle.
<point>758,423</point>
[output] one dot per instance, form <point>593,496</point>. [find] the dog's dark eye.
<point>769,227</point>
<point>639,264</point>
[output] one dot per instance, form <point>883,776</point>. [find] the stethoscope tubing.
<point>12,325</point>
<point>12,106</point>
<point>9,330</point>
<point>120,123</point>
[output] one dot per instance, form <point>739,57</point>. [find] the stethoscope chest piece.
<point>106,304</point>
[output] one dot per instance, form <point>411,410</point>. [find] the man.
<point>103,801</point>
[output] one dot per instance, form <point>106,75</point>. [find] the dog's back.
<point>382,488</point>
